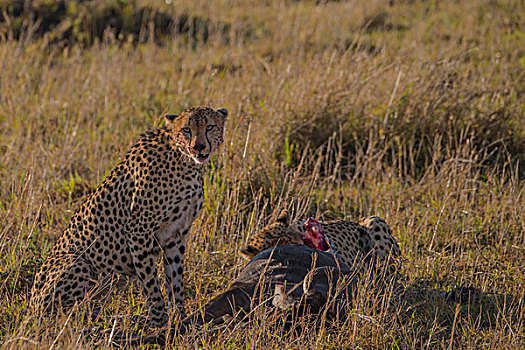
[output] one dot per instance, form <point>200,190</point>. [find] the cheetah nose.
<point>198,147</point>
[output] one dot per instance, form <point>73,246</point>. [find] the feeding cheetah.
<point>370,239</point>
<point>145,207</point>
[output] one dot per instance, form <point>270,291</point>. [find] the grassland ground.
<point>410,110</point>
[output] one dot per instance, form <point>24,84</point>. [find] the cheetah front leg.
<point>174,269</point>
<point>172,238</point>
<point>142,245</point>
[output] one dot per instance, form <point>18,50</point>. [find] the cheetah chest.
<point>184,212</point>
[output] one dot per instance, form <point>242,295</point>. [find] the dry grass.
<point>412,111</point>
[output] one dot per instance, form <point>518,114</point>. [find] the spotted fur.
<point>370,239</point>
<point>144,208</point>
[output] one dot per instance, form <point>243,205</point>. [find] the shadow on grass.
<point>460,312</point>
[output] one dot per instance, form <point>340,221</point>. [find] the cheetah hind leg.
<point>64,286</point>
<point>78,285</point>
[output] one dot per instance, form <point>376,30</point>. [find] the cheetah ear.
<point>248,252</point>
<point>284,218</point>
<point>170,117</point>
<point>223,111</point>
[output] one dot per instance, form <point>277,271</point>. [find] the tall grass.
<point>410,110</point>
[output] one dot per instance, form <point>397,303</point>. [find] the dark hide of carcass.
<point>289,277</point>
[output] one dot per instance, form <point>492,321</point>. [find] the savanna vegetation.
<point>410,110</point>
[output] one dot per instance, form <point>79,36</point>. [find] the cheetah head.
<point>310,233</point>
<point>197,131</point>
<point>278,233</point>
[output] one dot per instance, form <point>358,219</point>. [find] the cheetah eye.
<point>210,127</point>
<point>186,130</point>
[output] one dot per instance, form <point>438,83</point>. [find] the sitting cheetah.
<point>145,207</point>
<point>370,239</point>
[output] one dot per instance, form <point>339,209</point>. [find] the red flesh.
<point>313,235</point>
